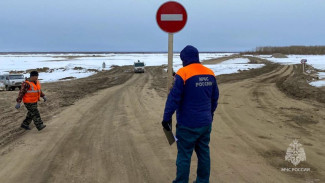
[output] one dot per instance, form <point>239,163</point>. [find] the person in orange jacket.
<point>30,93</point>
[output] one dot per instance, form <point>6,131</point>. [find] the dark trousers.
<point>32,115</point>
<point>190,139</point>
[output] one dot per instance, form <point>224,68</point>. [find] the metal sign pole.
<point>171,17</point>
<point>170,62</point>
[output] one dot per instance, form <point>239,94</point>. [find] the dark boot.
<point>26,127</point>
<point>40,127</point>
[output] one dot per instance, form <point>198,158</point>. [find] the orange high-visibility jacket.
<point>33,93</point>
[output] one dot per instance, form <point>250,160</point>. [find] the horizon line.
<point>101,52</point>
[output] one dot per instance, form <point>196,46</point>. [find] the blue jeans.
<point>189,139</point>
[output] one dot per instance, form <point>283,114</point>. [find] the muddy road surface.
<point>114,134</point>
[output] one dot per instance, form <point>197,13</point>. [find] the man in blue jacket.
<point>194,96</point>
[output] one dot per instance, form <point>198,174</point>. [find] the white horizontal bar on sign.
<point>171,17</point>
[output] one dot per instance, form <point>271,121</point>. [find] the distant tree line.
<point>299,50</point>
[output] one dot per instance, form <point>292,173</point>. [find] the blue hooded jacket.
<point>195,93</point>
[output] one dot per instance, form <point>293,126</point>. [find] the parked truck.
<point>139,67</point>
<point>11,81</point>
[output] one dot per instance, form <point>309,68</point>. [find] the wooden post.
<point>170,62</point>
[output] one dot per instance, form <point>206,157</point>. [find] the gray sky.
<point>130,25</point>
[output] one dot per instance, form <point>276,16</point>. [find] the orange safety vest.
<point>33,94</point>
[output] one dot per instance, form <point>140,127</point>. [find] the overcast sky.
<point>130,25</point>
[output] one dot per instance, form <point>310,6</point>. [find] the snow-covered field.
<point>317,61</point>
<point>233,66</point>
<point>78,65</point>
<point>84,65</point>
<point>63,64</point>
<point>229,66</point>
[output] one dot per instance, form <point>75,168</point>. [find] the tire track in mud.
<point>115,135</point>
<point>259,121</point>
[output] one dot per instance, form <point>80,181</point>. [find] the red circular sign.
<point>171,17</point>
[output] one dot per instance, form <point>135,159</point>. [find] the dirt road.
<point>115,135</point>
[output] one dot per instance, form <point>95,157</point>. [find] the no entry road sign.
<point>171,17</point>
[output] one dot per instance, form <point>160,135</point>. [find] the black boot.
<point>26,127</point>
<point>40,127</point>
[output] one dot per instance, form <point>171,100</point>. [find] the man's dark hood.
<point>189,55</point>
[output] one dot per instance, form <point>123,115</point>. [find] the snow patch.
<point>319,83</point>
<point>227,67</point>
<point>316,61</point>
<point>233,66</point>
